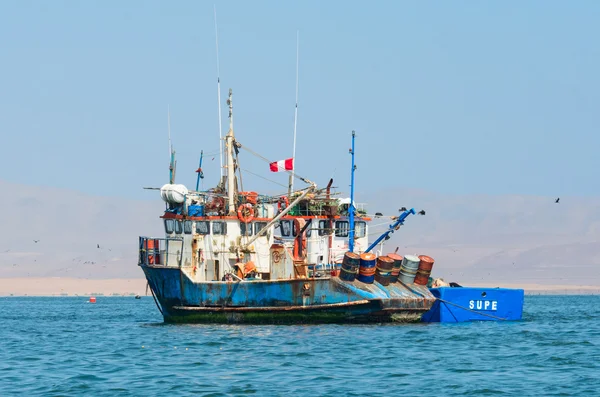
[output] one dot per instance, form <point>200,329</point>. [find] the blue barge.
<point>463,304</point>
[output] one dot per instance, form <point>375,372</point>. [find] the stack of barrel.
<point>383,270</point>
<point>408,269</point>
<point>386,269</point>
<point>366,272</point>
<point>396,269</point>
<point>350,265</point>
<point>424,271</point>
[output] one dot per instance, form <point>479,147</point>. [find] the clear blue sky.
<point>453,97</point>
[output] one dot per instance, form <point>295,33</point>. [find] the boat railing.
<point>160,251</point>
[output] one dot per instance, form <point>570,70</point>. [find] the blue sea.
<point>65,346</point>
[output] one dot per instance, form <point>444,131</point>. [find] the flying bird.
<point>35,241</point>
<point>557,200</point>
<point>422,212</point>
<point>402,209</point>
<point>378,214</point>
<point>98,245</point>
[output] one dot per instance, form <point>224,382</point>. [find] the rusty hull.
<point>308,300</point>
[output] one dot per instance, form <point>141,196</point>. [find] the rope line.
<point>291,172</point>
<point>260,176</point>
<point>155,301</point>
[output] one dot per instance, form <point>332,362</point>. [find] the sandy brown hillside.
<point>485,239</point>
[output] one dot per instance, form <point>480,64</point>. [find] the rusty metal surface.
<point>272,308</point>
<point>311,299</point>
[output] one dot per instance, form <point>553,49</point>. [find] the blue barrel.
<point>408,269</point>
<point>366,271</point>
<point>350,265</point>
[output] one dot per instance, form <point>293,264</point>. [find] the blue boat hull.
<point>292,301</point>
<point>462,304</point>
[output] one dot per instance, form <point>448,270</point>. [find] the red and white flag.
<point>282,165</point>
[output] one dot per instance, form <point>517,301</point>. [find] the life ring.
<point>283,200</point>
<point>245,212</point>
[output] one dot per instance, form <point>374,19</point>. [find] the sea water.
<point>65,346</point>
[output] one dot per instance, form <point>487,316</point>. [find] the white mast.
<point>219,98</point>
<point>172,163</point>
<point>230,166</point>
<point>291,183</point>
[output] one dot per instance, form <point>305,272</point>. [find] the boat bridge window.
<point>187,227</point>
<point>324,227</point>
<point>178,227</point>
<point>169,226</point>
<point>203,227</point>
<point>258,226</point>
<point>246,229</point>
<point>286,228</point>
<point>219,228</point>
<point>341,228</point>
<point>360,229</point>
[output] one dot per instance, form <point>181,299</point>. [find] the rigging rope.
<point>291,172</point>
<point>260,176</point>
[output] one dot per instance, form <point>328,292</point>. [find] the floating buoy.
<point>92,299</point>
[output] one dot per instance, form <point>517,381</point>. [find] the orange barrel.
<point>92,299</point>
<point>396,269</point>
<point>424,270</point>
<point>350,265</point>
<point>152,248</point>
<point>383,270</point>
<point>408,270</point>
<point>366,271</point>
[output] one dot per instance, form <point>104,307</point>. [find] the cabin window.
<point>286,228</point>
<point>169,225</point>
<point>341,228</point>
<point>203,227</point>
<point>178,227</point>
<point>324,227</point>
<point>308,229</point>
<point>219,228</point>
<point>360,229</point>
<point>187,227</point>
<point>246,229</point>
<point>294,229</point>
<point>258,226</point>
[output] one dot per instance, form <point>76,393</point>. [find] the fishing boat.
<point>235,256</point>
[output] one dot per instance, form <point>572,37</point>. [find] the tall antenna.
<point>291,184</point>
<point>172,163</point>
<point>219,96</point>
